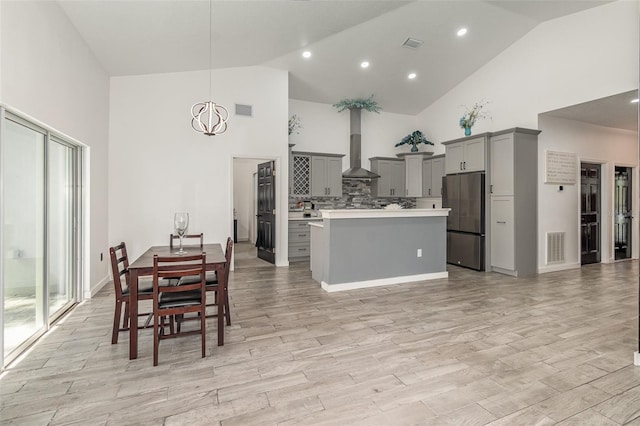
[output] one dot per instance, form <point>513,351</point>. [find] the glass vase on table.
<point>181,224</point>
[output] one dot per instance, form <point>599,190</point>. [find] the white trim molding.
<point>330,288</point>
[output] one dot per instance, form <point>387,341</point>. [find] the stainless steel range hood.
<point>355,150</point>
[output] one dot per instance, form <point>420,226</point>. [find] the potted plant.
<point>414,139</point>
<point>367,104</point>
<point>472,115</point>
<point>294,124</point>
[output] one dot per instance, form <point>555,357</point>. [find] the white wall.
<point>48,72</point>
<point>158,165</point>
<point>562,62</point>
<point>560,210</point>
<point>243,196</point>
<point>566,61</point>
<point>326,130</point>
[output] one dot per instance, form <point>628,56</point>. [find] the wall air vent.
<point>412,43</point>
<point>555,247</point>
<point>246,110</point>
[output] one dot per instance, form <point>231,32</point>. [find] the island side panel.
<point>368,249</point>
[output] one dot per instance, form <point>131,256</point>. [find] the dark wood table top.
<point>145,261</point>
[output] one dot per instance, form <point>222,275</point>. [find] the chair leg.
<point>126,321</point>
<point>116,322</point>
<point>227,312</point>
<point>203,332</point>
<point>156,340</point>
<point>171,324</point>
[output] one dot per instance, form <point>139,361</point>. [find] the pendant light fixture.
<point>209,117</point>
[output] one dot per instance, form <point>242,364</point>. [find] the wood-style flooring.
<point>473,349</point>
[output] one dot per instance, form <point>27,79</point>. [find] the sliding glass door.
<point>60,207</point>
<point>40,239</point>
<point>23,231</point>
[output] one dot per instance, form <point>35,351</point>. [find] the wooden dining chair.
<point>172,301</point>
<point>212,283</point>
<point>120,271</point>
<point>174,237</point>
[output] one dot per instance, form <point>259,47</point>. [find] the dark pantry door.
<point>266,218</point>
<point>590,212</point>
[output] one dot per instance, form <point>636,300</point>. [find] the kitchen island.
<point>368,248</point>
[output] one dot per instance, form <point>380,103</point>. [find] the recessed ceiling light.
<point>635,101</point>
<point>461,32</point>
<point>412,75</point>
<point>364,64</point>
<point>306,54</point>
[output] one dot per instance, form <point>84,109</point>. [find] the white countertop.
<point>308,219</point>
<point>317,224</point>
<point>382,213</point>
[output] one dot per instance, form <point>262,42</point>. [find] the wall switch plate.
<point>419,252</point>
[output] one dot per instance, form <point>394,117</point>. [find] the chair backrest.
<point>173,237</point>
<point>176,267</point>
<point>119,267</point>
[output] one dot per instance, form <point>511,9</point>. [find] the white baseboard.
<point>382,281</point>
<point>88,294</point>
<point>561,267</point>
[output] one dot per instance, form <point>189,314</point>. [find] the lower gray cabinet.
<point>300,239</point>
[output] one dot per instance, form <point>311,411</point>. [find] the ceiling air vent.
<point>412,43</point>
<point>246,110</point>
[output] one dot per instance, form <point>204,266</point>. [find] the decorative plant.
<point>294,124</point>
<point>366,104</point>
<point>472,115</point>
<point>414,139</point>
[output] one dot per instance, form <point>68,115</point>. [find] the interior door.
<point>266,217</point>
<point>622,221</point>
<point>590,213</point>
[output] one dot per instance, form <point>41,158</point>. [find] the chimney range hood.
<point>355,150</point>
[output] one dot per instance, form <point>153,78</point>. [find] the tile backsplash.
<point>356,194</point>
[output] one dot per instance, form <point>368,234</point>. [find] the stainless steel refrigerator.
<point>464,195</point>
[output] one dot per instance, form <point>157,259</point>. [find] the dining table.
<point>143,266</point>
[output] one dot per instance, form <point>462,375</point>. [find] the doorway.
<point>622,213</point>
<point>245,207</point>
<point>590,221</point>
<point>266,218</point>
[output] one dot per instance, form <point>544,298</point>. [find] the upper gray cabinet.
<point>316,174</point>
<point>391,182</point>
<point>326,176</point>
<point>432,173</point>
<point>465,155</point>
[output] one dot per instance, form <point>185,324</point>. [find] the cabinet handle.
<point>491,189</point>
<point>429,191</point>
<point>464,163</point>
<point>461,165</point>
<point>328,191</point>
<point>302,235</point>
<point>498,221</point>
<point>302,249</point>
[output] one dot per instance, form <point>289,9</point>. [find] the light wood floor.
<point>473,349</point>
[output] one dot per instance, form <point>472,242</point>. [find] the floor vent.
<point>246,110</point>
<point>555,247</point>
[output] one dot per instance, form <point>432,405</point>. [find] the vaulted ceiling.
<point>155,36</point>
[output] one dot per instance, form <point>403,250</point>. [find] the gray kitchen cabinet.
<point>432,173</point>
<point>391,182</point>
<point>513,173</point>
<point>300,239</point>
<point>316,174</point>
<point>465,155</point>
<point>326,176</point>
<point>414,176</point>
<point>301,175</point>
